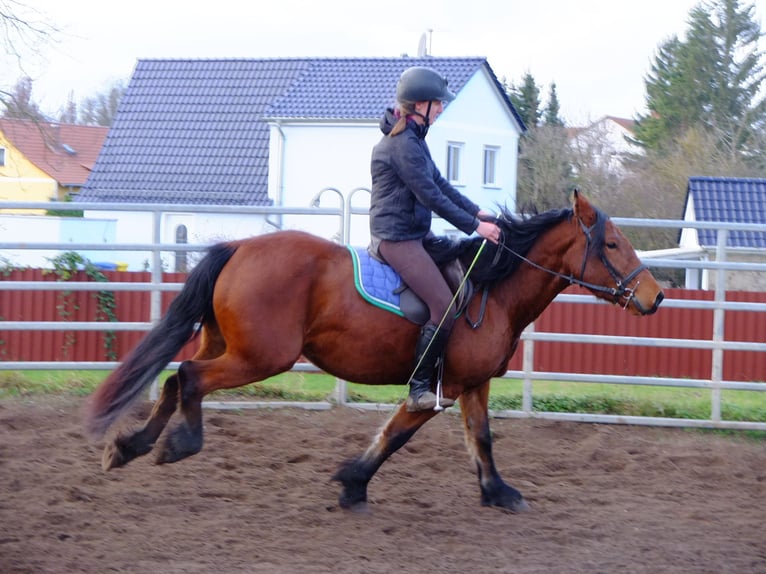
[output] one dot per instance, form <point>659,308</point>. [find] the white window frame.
<point>454,159</point>
<point>489,170</point>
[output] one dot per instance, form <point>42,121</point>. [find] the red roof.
<point>66,152</point>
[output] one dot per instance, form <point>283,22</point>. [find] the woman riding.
<point>406,188</point>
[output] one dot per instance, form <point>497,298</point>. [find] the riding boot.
<point>429,348</point>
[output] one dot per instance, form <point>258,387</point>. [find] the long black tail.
<point>147,360</point>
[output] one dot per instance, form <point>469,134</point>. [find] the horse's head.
<point>608,265</point>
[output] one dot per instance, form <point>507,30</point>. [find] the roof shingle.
<point>729,199</point>
<point>196,131</point>
<point>66,152</point>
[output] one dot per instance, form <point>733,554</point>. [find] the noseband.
<point>618,292</point>
<point>621,289</point>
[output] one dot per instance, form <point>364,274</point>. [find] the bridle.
<point>618,292</point>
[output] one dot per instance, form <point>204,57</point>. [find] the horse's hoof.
<point>514,506</point>
<point>357,508</point>
<point>112,457</point>
<point>179,444</point>
<point>520,507</point>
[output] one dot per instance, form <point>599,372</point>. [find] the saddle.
<point>379,284</point>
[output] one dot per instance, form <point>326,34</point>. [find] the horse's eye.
<point>611,245</point>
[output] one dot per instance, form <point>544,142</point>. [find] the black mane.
<point>520,233</point>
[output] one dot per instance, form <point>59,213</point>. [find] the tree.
<point>101,109</point>
<point>19,104</point>
<point>552,110</point>
<point>22,30</point>
<point>526,100</point>
<point>69,114</point>
<point>711,81</point>
<point>545,168</point>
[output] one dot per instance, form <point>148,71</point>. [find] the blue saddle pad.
<point>376,282</point>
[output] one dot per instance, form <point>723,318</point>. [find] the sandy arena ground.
<point>258,498</point>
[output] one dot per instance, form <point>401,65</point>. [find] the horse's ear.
<point>582,208</point>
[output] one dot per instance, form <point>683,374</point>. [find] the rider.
<point>406,188</point>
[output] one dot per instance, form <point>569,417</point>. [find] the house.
<point>42,161</point>
<point>728,199</point>
<point>277,132</point>
<point>607,140</point>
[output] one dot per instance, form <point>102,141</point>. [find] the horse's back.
<point>282,270</point>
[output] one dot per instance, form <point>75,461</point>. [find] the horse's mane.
<point>520,233</point>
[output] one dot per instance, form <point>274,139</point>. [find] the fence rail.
<point>720,345</point>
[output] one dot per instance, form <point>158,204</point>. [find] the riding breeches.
<point>421,274</point>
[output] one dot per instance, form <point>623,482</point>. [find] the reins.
<point>621,289</point>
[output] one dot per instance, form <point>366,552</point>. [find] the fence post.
<point>719,314</point>
<point>528,366</point>
<point>155,303</point>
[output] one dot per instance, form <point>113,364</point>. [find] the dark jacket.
<point>407,187</point>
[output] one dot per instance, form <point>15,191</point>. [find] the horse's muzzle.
<point>652,308</point>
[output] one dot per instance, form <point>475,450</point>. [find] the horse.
<point>259,304</point>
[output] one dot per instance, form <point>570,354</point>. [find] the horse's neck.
<point>527,293</point>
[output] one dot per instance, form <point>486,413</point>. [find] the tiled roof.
<point>195,131</point>
<point>731,200</point>
<point>66,152</point>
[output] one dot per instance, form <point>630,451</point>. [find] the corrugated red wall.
<point>557,357</point>
<point>61,305</point>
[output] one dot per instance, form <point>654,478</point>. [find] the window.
<point>181,261</point>
<point>490,165</point>
<point>453,161</point>
<point>2,156</point>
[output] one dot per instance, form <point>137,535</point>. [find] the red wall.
<point>559,317</point>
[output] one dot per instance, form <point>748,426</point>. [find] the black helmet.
<point>421,84</point>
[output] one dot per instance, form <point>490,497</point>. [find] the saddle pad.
<point>376,281</point>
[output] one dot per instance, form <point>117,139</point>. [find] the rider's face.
<point>437,107</point>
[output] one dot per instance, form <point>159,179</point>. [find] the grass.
<point>552,396</point>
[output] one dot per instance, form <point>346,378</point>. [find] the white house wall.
<point>60,230</point>
<point>478,119</point>
<point>203,228</point>
<point>317,156</point>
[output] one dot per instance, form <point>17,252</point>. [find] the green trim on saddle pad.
<point>360,288</point>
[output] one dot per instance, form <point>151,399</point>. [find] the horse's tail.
<point>125,384</point>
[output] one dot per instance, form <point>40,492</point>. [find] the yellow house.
<point>44,162</point>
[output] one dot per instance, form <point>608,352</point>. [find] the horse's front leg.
<point>478,439</point>
<point>126,447</point>
<point>355,474</point>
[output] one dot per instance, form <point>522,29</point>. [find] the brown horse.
<point>265,301</point>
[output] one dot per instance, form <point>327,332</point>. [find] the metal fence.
<point>717,345</point>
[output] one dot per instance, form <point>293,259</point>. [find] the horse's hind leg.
<point>185,439</point>
<point>355,474</point>
<point>478,439</point>
<point>198,378</point>
<point>126,447</point>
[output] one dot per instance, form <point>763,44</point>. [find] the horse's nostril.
<point>659,299</point>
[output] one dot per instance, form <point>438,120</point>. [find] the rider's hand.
<point>489,231</point>
<point>486,216</point>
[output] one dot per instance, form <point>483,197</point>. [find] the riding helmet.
<point>422,84</point>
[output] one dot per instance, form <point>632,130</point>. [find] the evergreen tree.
<point>711,80</point>
<point>552,110</point>
<point>526,100</point>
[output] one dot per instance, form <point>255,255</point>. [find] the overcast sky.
<point>597,51</point>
